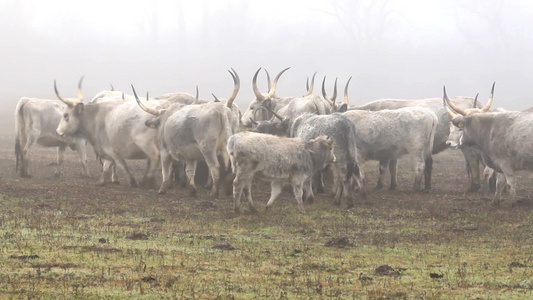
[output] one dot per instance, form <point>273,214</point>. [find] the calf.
<point>278,160</point>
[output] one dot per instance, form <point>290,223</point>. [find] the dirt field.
<point>65,236</point>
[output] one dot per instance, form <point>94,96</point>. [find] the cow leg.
<point>308,195</point>
<point>318,182</point>
<point>501,181</point>
<point>392,169</point>
<point>104,178</point>
<point>214,170</point>
<point>190,170</point>
<point>383,165</point>
<point>149,177</point>
<point>242,179</point>
<point>472,167</point>
<point>338,182</point>
<point>275,189</point>
<point>114,176</point>
<point>81,149</point>
<point>60,159</point>
<point>167,165</point>
<point>122,163</point>
<point>509,175</point>
<point>428,169</point>
<point>26,146</point>
<point>419,171</point>
<point>298,192</point>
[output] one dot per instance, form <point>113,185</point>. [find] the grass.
<point>87,248</point>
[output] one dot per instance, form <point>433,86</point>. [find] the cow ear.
<point>78,108</point>
<point>267,103</point>
<point>153,123</point>
<point>343,108</point>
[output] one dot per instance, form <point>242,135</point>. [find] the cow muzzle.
<point>452,145</point>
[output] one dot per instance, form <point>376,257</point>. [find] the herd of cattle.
<point>290,140</point>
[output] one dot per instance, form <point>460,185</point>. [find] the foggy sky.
<point>393,49</point>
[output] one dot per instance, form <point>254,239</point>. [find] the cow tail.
<point>226,127</point>
<point>19,130</point>
<point>432,136</point>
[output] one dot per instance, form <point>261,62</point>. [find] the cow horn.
<point>197,97</point>
<point>80,94</point>
<point>450,112</point>
<point>68,102</point>
<point>123,96</point>
<point>310,89</point>
<point>272,90</point>
<point>155,112</point>
<point>346,99</point>
<point>475,101</point>
<point>268,80</point>
<point>216,99</point>
<point>258,108</point>
<point>489,103</point>
<point>332,99</point>
<point>112,88</point>
<point>257,93</point>
<point>453,106</point>
<point>275,114</point>
<point>254,122</point>
<point>237,86</point>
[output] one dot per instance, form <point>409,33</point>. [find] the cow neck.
<point>89,125</point>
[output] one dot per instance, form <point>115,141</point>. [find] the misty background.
<point>393,49</point>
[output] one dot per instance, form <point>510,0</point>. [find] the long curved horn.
<point>453,106</point>
<point>346,99</point>
<point>310,89</point>
<point>268,80</point>
<point>68,102</point>
<point>257,93</point>
<point>258,108</point>
<point>332,99</point>
<point>197,97</point>
<point>112,88</point>
<point>155,112</point>
<point>450,112</point>
<point>254,122</point>
<point>236,87</point>
<point>80,94</point>
<point>489,103</point>
<point>475,101</point>
<point>275,114</point>
<point>272,90</point>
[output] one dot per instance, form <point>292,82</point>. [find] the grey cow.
<point>443,128</point>
<point>194,132</point>
<point>504,141</point>
<point>278,160</point>
<point>342,131</point>
<point>116,131</point>
<point>36,121</point>
<point>386,135</point>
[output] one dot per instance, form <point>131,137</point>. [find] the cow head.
<point>321,149</point>
<point>457,125</point>
<point>261,99</point>
<point>269,126</point>
<point>72,114</point>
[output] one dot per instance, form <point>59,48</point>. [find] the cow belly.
<point>50,141</point>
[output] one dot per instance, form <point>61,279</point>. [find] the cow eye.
<point>65,116</point>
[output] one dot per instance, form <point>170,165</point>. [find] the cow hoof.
<point>301,210</point>
<point>393,188</point>
<point>495,203</point>
<point>379,187</point>
<point>350,205</point>
<point>337,203</point>
<point>253,209</point>
<point>192,192</point>
<point>320,190</point>
<point>57,175</point>
<point>474,188</point>
<point>237,210</point>
<point>162,192</point>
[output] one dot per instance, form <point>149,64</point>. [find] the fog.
<point>397,49</point>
